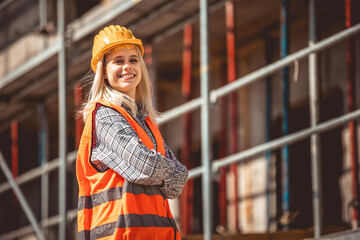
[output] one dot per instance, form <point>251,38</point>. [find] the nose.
<point>126,66</point>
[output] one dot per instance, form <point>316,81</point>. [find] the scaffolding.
<point>210,167</point>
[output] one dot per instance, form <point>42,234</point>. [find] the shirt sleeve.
<point>118,146</point>
<point>174,182</point>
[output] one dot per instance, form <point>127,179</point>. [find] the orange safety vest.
<point>110,207</point>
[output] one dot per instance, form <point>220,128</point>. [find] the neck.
<point>130,94</point>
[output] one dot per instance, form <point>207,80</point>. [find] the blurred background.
<point>284,107</point>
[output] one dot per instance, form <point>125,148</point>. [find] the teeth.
<point>127,76</point>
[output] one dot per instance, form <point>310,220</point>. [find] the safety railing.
<point>207,169</point>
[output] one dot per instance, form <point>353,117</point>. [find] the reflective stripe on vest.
<point>109,207</point>
<point>145,221</point>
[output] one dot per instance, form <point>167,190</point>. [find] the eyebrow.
<point>121,56</point>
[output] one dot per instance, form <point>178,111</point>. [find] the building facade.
<point>268,189</point>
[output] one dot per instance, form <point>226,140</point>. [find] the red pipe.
<point>230,43</point>
<point>230,40</point>
<point>223,171</point>
<point>148,62</point>
<point>14,148</point>
<point>14,168</point>
<point>78,121</point>
<point>350,50</point>
<point>186,64</point>
<point>186,199</point>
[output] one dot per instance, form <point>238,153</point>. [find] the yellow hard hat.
<point>110,38</point>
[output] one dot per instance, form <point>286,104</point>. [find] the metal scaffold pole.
<point>231,76</point>
<point>351,102</point>
<point>284,51</point>
<point>187,196</point>
<point>14,128</point>
<point>149,58</point>
<point>43,159</point>
<point>78,122</point>
<point>43,13</point>
<point>62,119</point>
<point>314,119</point>
<point>205,128</point>
<point>268,103</point>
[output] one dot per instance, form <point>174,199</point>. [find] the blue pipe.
<point>42,134</point>
<point>284,51</point>
<point>43,158</point>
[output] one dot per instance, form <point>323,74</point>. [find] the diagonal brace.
<point>21,198</point>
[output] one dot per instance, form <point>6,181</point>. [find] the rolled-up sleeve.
<point>118,146</point>
<point>174,182</point>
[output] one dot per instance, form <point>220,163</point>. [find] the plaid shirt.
<point>118,146</point>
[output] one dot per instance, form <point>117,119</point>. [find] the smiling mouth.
<point>128,76</point>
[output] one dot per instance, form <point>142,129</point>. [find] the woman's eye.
<point>118,61</point>
<point>133,60</point>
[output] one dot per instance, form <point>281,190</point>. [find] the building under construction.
<point>259,99</point>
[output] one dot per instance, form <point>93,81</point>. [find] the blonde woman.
<point>125,171</point>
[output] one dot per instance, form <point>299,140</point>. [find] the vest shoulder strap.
<point>159,140</point>
<point>141,132</point>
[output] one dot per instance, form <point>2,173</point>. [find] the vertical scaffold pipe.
<point>314,119</point>
<point>14,148</point>
<point>284,51</point>
<point>186,198</point>
<point>206,151</point>
<point>43,13</point>
<point>14,165</point>
<point>268,57</point>
<point>150,65</point>
<point>43,158</point>
<point>62,119</point>
<point>222,154</point>
<point>350,51</point>
<point>224,103</point>
<point>78,121</point>
<point>231,74</point>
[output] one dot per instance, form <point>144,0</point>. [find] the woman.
<point>125,171</point>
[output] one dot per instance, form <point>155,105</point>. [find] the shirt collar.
<point>140,113</point>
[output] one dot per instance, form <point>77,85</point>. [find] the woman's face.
<point>123,71</point>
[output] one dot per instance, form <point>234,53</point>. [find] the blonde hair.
<point>101,90</point>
